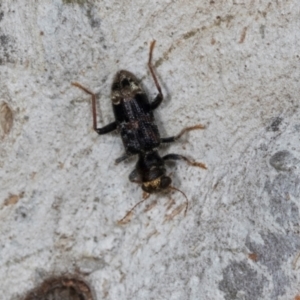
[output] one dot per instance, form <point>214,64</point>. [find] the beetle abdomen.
<point>140,135</point>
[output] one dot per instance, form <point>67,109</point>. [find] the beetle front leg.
<point>103,130</point>
<point>182,132</point>
<point>159,98</point>
<point>134,177</point>
<point>122,158</point>
<point>173,156</point>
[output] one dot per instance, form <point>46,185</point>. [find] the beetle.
<point>136,124</point>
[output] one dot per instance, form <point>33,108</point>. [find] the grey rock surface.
<point>230,65</point>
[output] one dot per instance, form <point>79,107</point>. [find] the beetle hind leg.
<point>106,129</point>
<point>159,98</point>
<point>103,130</point>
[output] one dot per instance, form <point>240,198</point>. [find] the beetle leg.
<point>106,129</point>
<point>173,156</point>
<point>159,98</point>
<point>134,177</point>
<point>182,132</point>
<point>122,158</point>
<point>156,102</point>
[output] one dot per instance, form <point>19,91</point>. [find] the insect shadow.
<point>135,122</point>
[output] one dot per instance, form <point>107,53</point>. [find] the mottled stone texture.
<point>230,65</point>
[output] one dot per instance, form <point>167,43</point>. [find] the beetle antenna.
<point>186,198</point>
<point>129,212</point>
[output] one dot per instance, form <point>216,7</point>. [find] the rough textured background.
<point>231,65</point>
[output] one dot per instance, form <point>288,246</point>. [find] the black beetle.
<point>135,122</point>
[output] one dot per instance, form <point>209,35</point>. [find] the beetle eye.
<point>147,189</point>
<point>165,181</point>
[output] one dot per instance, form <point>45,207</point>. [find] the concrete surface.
<point>231,65</point>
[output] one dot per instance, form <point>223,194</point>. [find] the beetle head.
<point>156,185</point>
